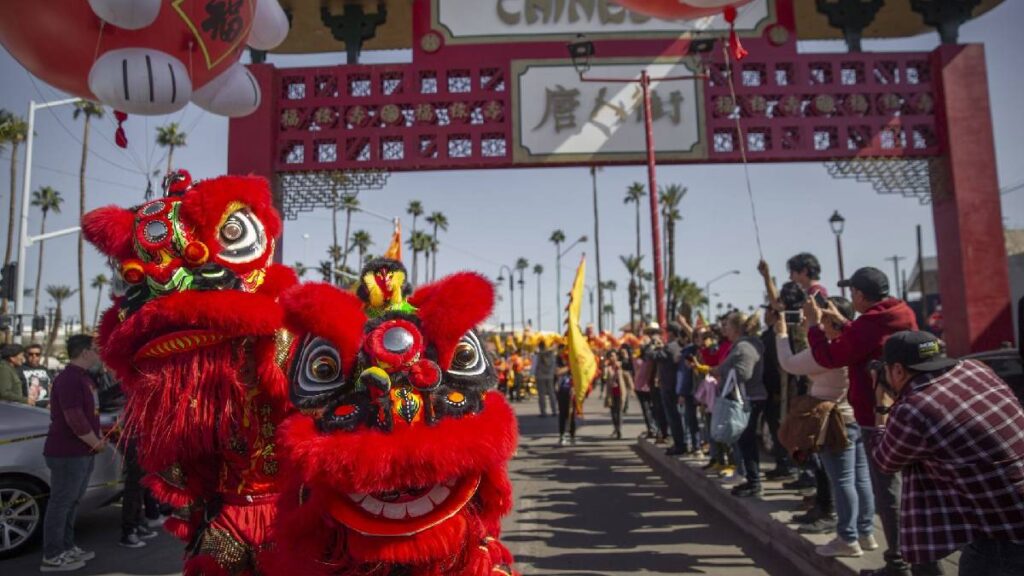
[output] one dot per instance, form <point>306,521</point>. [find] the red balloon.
<point>680,9</point>
<point>141,56</point>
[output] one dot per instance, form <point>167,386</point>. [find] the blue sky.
<point>499,216</point>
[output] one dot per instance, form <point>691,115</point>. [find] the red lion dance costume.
<point>398,459</point>
<point>196,342</point>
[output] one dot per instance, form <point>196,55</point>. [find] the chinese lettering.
<point>560,105</point>
<point>224,20</point>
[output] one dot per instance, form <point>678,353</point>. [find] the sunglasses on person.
<point>30,354</point>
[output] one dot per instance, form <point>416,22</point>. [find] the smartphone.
<point>793,316</point>
<point>821,300</point>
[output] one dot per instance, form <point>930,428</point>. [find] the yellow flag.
<point>582,362</point>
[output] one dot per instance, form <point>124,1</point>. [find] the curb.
<point>752,517</point>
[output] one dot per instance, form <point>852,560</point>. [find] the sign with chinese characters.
<point>489,21</point>
<point>560,118</point>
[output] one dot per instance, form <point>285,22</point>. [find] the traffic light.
<point>8,279</point>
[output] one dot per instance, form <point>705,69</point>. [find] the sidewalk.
<point>769,520</point>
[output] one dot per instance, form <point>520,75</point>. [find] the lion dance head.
<point>399,453</point>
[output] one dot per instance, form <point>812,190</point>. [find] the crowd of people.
<point>863,412</point>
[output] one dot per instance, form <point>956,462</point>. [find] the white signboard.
<point>560,118</point>
<point>474,21</point>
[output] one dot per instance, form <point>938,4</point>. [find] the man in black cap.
<point>12,382</point>
<point>956,432</point>
<point>860,343</point>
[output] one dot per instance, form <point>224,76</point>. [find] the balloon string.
<point>99,40</point>
<point>743,148</point>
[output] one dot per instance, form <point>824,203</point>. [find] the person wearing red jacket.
<point>860,342</point>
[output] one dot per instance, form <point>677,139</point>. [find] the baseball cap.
<point>871,281</point>
<point>917,350</point>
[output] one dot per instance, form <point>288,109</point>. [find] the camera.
<point>793,316</point>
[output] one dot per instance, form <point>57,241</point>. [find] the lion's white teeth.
<point>439,494</point>
<point>419,507</point>
<point>372,505</point>
<point>356,497</point>
<point>394,511</point>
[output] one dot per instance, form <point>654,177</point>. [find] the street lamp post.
<point>707,287</point>
<point>558,277</point>
<point>580,52</point>
<point>501,277</point>
<point>837,222</point>
<point>24,240</point>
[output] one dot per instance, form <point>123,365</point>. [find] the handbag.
<point>731,413</point>
<point>811,424</point>
<point>707,391</point>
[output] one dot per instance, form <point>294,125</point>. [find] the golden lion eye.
<point>324,368</point>
<point>465,356</point>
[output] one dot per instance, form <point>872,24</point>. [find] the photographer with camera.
<point>858,343</point>
<point>956,431</point>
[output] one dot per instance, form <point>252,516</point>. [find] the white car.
<point>25,479</point>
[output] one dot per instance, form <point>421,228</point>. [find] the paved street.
<point>591,509</point>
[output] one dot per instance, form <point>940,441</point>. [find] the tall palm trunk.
<point>671,251</point>
<point>334,233</point>
<point>426,266</point>
<point>415,261</point>
<point>58,317</point>
<point>433,248</point>
<point>638,229</point>
<point>597,254</point>
<point>12,208</point>
<point>37,296</point>
<point>170,152</point>
<point>96,313</point>
<point>81,214</point>
<point>348,225</point>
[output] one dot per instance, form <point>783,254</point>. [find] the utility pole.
<point>597,252</point>
<point>896,273</point>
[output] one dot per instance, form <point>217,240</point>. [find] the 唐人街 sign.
<point>559,118</point>
<point>488,21</point>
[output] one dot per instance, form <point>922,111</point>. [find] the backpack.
<point>810,425</point>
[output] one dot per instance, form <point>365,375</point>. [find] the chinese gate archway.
<point>490,85</point>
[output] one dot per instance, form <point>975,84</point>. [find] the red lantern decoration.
<point>145,57</point>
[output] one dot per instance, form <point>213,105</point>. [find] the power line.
<point>38,166</point>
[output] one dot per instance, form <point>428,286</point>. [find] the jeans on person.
<point>616,411</point>
<point>546,395</point>
<point>773,417</point>
<point>822,485</point>
<point>693,430</point>
<point>133,495</point>
<point>749,450</point>
<point>851,486</point>
<point>566,412</point>
<point>644,397</point>
<point>658,413</point>
<point>69,477</point>
<point>887,489</point>
<point>992,558</point>
<point>670,405</point>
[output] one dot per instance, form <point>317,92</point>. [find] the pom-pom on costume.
<point>399,456</point>
<point>197,342</point>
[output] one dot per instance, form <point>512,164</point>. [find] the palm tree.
<point>684,296</point>
<point>87,110</point>
<point>415,209</point>
<point>59,293</point>
<point>300,269</point>
<point>609,286</point>
<point>98,283</point>
<point>361,242</point>
<point>334,252</point>
<point>634,193</point>
<point>609,312</point>
<point>170,137</point>
<point>522,264</point>
<point>557,238</point>
<point>670,198</point>
<point>537,271</point>
<point>47,199</point>
<point>326,270</point>
<point>632,264</point>
<point>438,220</point>
<point>418,242</point>
<point>646,295</point>
<point>349,203</point>
<point>13,131</point>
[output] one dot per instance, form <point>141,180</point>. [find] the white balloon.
<point>269,25</point>
<point>127,14</point>
<point>140,81</point>
<point>233,93</point>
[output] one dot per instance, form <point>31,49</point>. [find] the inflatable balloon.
<point>680,9</point>
<point>145,57</point>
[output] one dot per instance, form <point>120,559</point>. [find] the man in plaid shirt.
<point>956,432</point>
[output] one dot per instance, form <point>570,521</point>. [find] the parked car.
<point>1007,364</point>
<point>25,479</point>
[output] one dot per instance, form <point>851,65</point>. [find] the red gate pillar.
<point>973,270</point>
<point>251,139</point>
